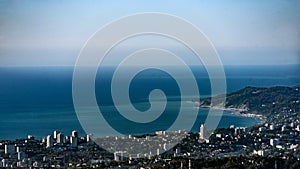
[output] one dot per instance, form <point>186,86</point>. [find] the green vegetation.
<point>265,101</point>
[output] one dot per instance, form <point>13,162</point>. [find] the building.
<point>167,146</point>
<point>49,141</point>
<point>67,139</point>
<point>74,133</point>
<point>274,142</point>
<point>272,127</point>
<point>89,140</point>
<point>55,133</point>
<point>148,138</point>
<point>18,149</point>
<point>30,137</point>
<point>262,153</point>
<point>21,155</point>
<point>4,163</point>
<point>157,152</point>
<point>119,155</point>
<point>74,141</point>
<point>9,149</point>
<point>36,164</point>
<point>261,129</point>
<point>202,132</point>
<point>60,138</point>
<point>160,133</point>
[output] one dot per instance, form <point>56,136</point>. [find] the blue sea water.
<point>38,100</point>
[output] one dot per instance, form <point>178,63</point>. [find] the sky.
<point>52,33</point>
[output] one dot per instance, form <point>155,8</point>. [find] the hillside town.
<point>273,143</point>
<point>279,139</point>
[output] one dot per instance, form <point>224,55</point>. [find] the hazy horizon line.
<point>295,64</point>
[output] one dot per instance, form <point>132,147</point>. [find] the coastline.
<point>236,111</point>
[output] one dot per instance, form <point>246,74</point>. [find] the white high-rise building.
<point>89,140</point>
<point>74,133</point>
<point>60,138</point>
<point>9,149</point>
<point>166,146</point>
<point>202,131</point>
<point>74,141</point>
<point>21,155</point>
<point>272,127</point>
<point>49,141</point>
<point>67,139</point>
<point>157,152</point>
<point>55,133</point>
<point>4,163</point>
<point>18,149</point>
<point>119,155</point>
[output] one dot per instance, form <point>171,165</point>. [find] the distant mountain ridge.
<point>260,100</point>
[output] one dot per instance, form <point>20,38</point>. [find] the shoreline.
<point>237,112</point>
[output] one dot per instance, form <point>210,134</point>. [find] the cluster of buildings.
<point>58,138</point>
<point>30,152</point>
<point>57,150</point>
<point>278,136</point>
<point>141,146</point>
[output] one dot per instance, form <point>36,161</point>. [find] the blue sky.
<point>51,33</point>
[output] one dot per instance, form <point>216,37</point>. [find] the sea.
<point>38,100</point>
